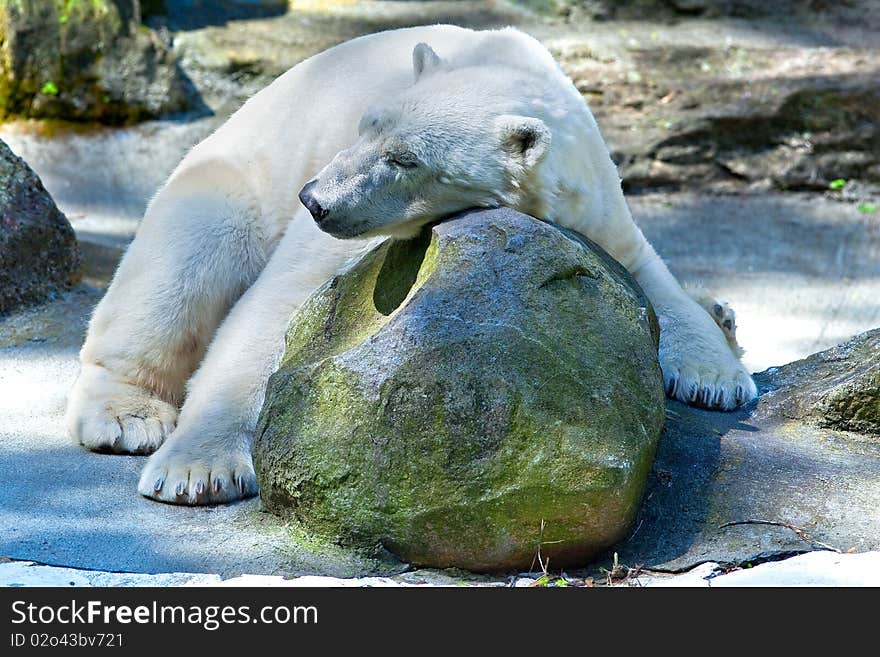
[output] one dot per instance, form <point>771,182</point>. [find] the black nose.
<point>308,199</point>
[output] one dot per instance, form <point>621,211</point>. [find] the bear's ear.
<point>525,139</point>
<point>425,60</point>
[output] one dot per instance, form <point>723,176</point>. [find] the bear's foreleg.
<point>699,360</point>
<point>207,460</point>
<point>194,254</point>
<point>699,356</point>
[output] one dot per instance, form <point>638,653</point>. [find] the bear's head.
<point>453,140</point>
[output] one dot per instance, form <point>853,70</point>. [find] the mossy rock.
<point>85,60</point>
<point>838,388</point>
<point>447,397</point>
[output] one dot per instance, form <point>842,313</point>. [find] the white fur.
<point>197,311</point>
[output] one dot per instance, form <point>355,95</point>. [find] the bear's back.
<point>286,132</point>
<point>330,90</point>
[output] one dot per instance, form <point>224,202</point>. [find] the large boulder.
<point>85,60</point>
<point>464,397</point>
<point>38,254</point>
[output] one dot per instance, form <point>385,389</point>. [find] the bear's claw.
<point>106,414</point>
<point>176,475</point>
<point>699,386</point>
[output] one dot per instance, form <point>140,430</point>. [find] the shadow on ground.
<point>713,469</point>
<point>193,14</point>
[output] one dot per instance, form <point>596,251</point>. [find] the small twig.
<point>800,532</point>
<point>622,574</point>
<point>543,563</point>
<point>631,536</point>
<point>615,566</point>
<point>538,553</point>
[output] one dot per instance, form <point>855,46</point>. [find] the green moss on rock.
<point>838,388</point>
<point>445,397</point>
<point>84,60</point>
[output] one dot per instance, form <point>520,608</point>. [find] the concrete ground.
<point>821,568</point>
<point>801,271</point>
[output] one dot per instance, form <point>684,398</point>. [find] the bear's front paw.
<point>194,472</point>
<point>106,414</point>
<point>721,312</point>
<point>714,380</point>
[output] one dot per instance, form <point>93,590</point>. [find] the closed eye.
<point>403,160</point>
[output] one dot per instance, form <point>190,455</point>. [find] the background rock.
<point>192,14</point>
<point>731,118</point>
<point>38,253</point>
<point>85,60</point>
<point>837,388</point>
<point>446,395</point>
<point>787,99</point>
<point>672,10</point>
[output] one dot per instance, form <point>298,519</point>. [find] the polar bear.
<point>377,136</point>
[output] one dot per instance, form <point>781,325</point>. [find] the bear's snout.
<point>312,205</point>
